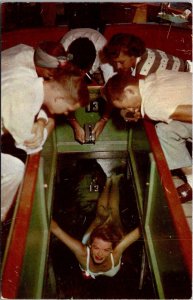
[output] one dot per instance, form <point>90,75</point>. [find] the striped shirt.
<point>156,60</point>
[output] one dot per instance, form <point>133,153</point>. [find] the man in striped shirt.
<point>128,52</point>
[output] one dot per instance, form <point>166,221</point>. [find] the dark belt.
<point>8,147</point>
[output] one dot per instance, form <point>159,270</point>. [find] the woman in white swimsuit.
<point>102,246</point>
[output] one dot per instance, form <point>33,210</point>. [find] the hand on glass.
<point>99,126</point>
<point>79,134</point>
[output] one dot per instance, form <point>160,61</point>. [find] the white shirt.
<point>99,42</point>
<point>163,91</point>
<point>19,78</point>
<point>22,98</point>
<point>17,56</point>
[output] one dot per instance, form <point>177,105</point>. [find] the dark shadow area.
<point>78,186</point>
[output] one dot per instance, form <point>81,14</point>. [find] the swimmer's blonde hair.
<point>75,86</point>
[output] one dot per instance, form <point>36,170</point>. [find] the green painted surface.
<point>32,277</point>
<point>111,138</point>
<point>137,137</point>
<point>139,150</point>
<point>36,254</point>
<point>49,156</point>
<point>163,245</point>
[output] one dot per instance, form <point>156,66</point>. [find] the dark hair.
<point>108,232</point>
<point>114,88</point>
<point>129,44</point>
<point>84,53</point>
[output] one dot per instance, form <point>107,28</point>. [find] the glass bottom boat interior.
<point>65,180</point>
<point>68,185</point>
<point>79,183</point>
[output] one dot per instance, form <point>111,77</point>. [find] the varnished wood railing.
<point>182,229</point>
<point>19,231</point>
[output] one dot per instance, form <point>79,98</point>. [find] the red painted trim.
<point>32,36</point>
<point>14,260</point>
<point>182,229</point>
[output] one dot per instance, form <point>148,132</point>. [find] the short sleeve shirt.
<point>154,60</point>
<point>17,56</point>
<point>22,98</point>
<point>163,91</point>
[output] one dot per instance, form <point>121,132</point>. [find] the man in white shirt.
<point>47,60</point>
<point>23,95</point>
<point>166,97</point>
<point>127,52</point>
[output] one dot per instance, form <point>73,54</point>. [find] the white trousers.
<point>173,137</point>
<point>12,172</point>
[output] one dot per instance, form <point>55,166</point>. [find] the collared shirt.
<point>17,56</point>
<point>22,98</point>
<point>22,92</point>
<point>163,91</point>
<point>154,60</point>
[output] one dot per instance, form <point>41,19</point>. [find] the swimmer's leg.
<point>114,199</point>
<point>103,199</point>
<point>102,212</point>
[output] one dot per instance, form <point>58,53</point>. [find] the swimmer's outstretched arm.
<point>128,239</point>
<point>73,244</point>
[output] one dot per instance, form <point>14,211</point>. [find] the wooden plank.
<point>173,200</point>
<point>13,263</point>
